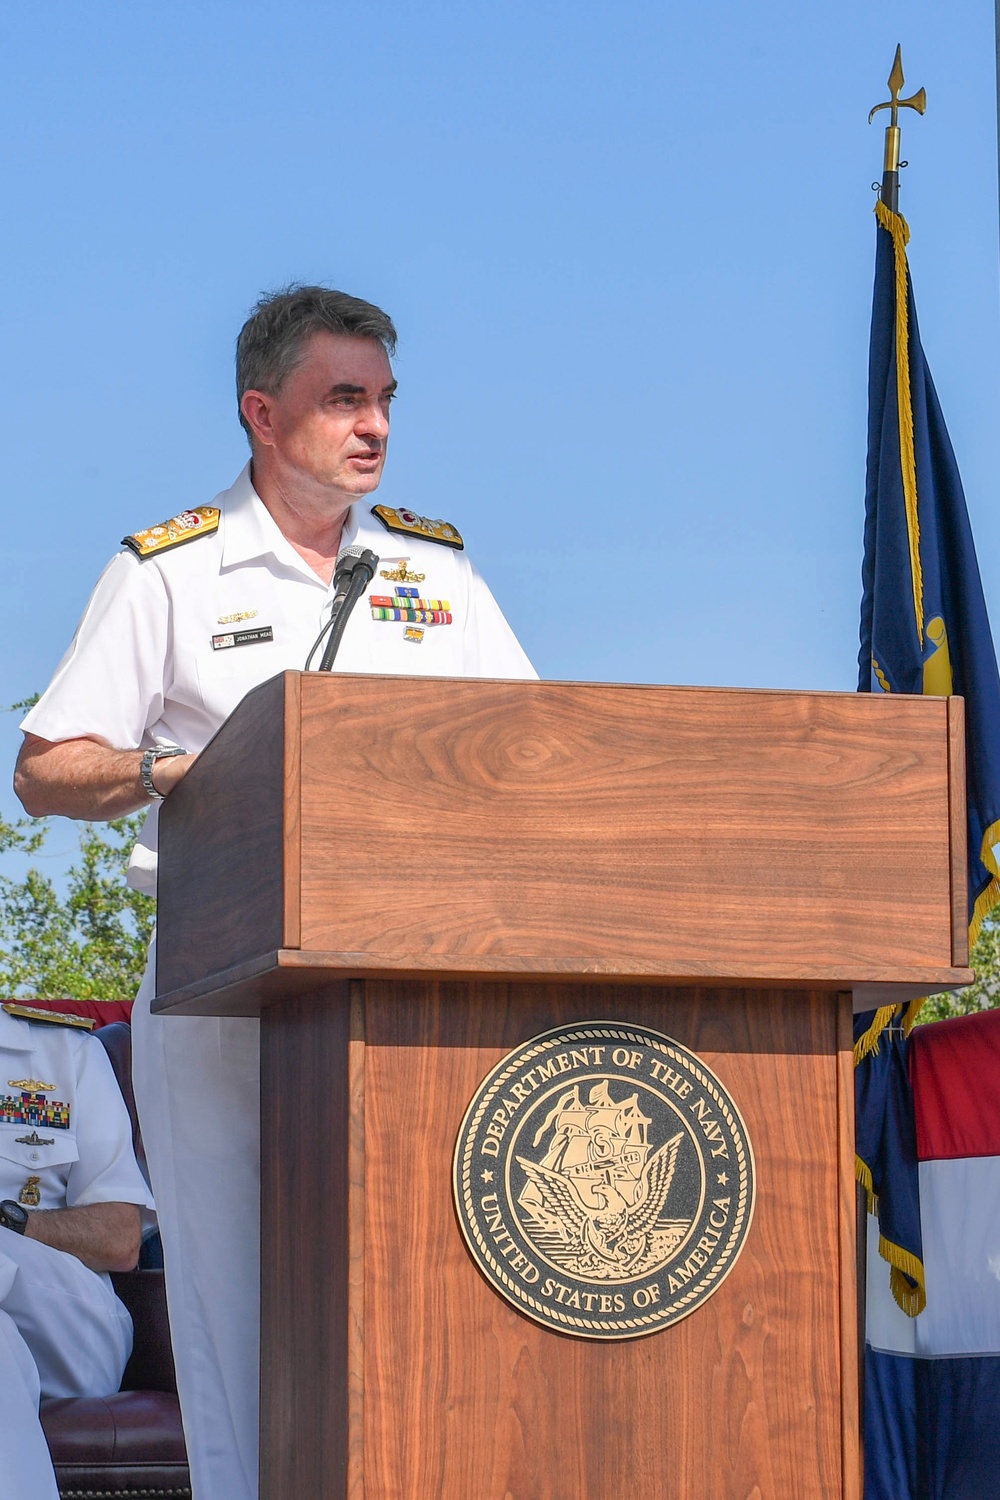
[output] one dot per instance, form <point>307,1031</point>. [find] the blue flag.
<point>886,1159</point>
<point>924,627</point>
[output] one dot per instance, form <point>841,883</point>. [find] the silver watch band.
<point>149,759</point>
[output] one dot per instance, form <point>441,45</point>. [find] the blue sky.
<point>629,250</point>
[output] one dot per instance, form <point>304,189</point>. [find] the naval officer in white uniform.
<point>182,623</point>
<point>71,1197</point>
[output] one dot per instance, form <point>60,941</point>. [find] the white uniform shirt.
<point>143,670</point>
<point>65,1133</point>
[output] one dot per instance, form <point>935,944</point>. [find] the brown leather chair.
<point>130,1444</point>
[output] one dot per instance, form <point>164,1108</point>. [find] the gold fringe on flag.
<point>987,899</point>
<point>868,1041</point>
<point>862,1173</point>
<point>902,1263</point>
<point>911,1011</point>
<point>911,1299</point>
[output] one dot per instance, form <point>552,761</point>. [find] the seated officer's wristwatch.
<point>13,1216</point>
<point>149,758</point>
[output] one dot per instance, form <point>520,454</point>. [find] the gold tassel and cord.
<point>900,231</point>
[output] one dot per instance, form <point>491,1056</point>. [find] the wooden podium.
<point>408,877</point>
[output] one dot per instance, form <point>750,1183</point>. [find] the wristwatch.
<point>149,757</point>
<point>13,1216</point>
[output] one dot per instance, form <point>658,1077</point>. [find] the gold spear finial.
<point>894,103</point>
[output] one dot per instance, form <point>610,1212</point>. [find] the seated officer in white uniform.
<point>183,622</point>
<point>71,1195</point>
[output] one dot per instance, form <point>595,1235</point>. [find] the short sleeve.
<point>107,1171</point>
<point>110,683</point>
<point>490,643</point>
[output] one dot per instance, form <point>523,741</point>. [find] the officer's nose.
<point>374,422</point>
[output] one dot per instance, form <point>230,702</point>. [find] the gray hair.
<point>271,340</point>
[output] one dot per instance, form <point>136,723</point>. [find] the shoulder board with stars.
<point>49,1017</point>
<point>186,527</point>
<point>408,523</point>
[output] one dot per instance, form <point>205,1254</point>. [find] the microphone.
<point>348,559</point>
<point>352,573</point>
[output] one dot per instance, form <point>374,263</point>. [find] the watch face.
<point>12,1215</point>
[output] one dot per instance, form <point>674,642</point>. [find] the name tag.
<point>242,638</point>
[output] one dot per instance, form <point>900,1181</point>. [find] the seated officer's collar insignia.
<point>186,527</point>
<point>48,1017</point>
<point>408,523</point>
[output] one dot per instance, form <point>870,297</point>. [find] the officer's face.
<point>330,420</point>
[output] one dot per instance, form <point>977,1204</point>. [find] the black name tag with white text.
<point>242,638</point>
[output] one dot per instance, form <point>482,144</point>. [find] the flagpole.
<point>891,162</point>
<point>890,197</point>
<point>996,37</point>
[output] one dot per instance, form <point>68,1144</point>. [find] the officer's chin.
<point>360,481</point>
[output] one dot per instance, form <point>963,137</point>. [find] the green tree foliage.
<point>89,944</point>
<point>985,993</point>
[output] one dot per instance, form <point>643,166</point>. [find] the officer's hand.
<point>166,773</point>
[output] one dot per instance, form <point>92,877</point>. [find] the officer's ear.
<point>256,410</point>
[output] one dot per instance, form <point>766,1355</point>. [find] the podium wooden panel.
<point>406,878</point>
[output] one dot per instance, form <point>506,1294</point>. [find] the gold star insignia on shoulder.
<point>185,527</point>
<point>408,523</point>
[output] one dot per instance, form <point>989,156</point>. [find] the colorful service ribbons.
<point>406,604</point>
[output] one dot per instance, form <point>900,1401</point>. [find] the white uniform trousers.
<point>197,1088</point>
<point>63,1332</point>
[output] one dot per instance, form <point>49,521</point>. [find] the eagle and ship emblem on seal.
<point>604,1180</point>
<point>596,1203</point>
